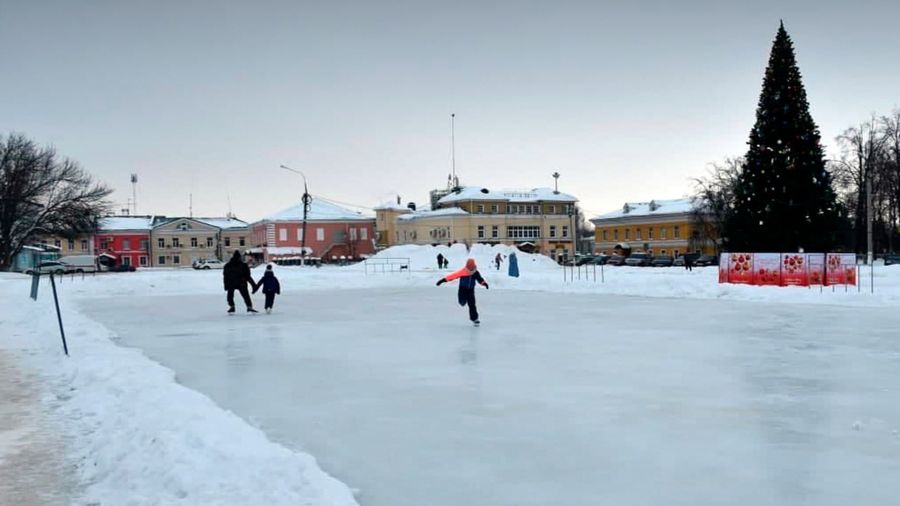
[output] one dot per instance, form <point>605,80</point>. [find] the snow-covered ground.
<point>658,385</point>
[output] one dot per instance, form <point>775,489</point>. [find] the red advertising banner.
<point>816,266</point>
<point>794,269</point>
<point>788,269</point>
<point>740,268</point>
<point>767,269</point>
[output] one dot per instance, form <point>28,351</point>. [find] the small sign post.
<point>35,283</point>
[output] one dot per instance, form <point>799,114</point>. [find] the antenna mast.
<point>455,180</point>
<point>134,180</point>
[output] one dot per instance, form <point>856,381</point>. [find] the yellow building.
<point>658,227</point>
<point>537,220</point>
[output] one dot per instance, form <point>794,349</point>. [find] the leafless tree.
<point>713,198</point>
<point>43,194</point>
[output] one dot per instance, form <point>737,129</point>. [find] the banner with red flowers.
<point>794,269</point>
<point>740,268</point>
<point>767,269</point>
<point>816,268</point>
<point>840,269</point>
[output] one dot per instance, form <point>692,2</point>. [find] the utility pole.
<point>134,180</point>
<point>453,149</point>
<point>307,201</point>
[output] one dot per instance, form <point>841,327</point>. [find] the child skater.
<point>467,276</point>
<point>270,287</point>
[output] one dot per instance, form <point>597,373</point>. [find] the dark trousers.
<point>270,300</point>
<point>467,296</point>
<point>244,294</point>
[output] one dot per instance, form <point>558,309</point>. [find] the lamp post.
<point>307,200</point>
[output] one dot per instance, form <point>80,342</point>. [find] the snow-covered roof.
<point>223,223</point>
<point>319,210</point>
<point>391,205</point>
<point>652,208</point>
<point>447,211</point>
<point>512,195</point>
<point>114,223</point>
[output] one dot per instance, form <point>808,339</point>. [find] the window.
<point>551,210</point>
<point>126,244</point>
<point>480,208</point>
<point>142,261</point>
<point>282,234</point>
<point>523,232</point>
<point>650,233</point>
<point>320,234</point>
<point>637,234</point>
<point>627,234</point>
<point>495,208</point>
<point>209,242</point>
<point>71,244</point>
<point>126,260</point>
<point>241,241</point>
<point>495,231</point>
<point>84,245</point>
<point>184,226</point>
<point>566,231</point>
<point>616,235</point>
<point>508,209</point>
<point>104,244</point>
<point>676,233</point>
<point>605,235</point>
<point>161,243</point>
<point>193,242</point>
<point>228,242</point>
<point>353,233</point>
<point>552,231</point>
<point>57,243</point>
<point>161,260</point>
<point>300,233</point>
<point>176,242</point>
<point>145,245</point>
<point>364,234</point>
<point>176,259</point>
<point>481,231</point>
<point>662,234</point>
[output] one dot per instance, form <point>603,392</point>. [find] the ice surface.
<point>557,399</point>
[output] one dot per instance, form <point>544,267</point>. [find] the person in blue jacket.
<point>270,287</point>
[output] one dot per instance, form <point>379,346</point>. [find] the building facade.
<point>126,239</point>
<point>658,227</point>
<point>331,232</point>
<point>538,220</point>
<point>82,244</point>
<point>180,242</point>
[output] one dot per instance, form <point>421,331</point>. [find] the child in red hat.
<point>467,276</point>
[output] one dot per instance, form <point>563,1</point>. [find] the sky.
<point>628,101</point>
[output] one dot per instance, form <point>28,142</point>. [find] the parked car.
<point>616,260</point>
<point>121,268</point>
<point>638,260</point>
<point>706,260</point>
<point>892,258</point>
<point>678,262</point>
<point>600,260</point>
<point>49,267</point>
<point>583,260</point>
<point>212,263</point>
<point>662,261</point>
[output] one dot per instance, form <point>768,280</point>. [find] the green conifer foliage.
<point>784,199</point>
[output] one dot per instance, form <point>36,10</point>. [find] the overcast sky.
<point>627,100</point>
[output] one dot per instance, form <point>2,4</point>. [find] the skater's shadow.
<point>468,352</point>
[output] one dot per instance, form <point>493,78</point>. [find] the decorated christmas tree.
<point>784,199</point>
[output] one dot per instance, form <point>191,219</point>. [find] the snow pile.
<point>138,437</point>
<point>425,257</point>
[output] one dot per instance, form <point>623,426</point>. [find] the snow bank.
<point>137,436</point>
<point>425,257</point>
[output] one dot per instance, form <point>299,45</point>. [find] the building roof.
<point>120,223</point>
<point>511,195</point>
<point>391,206</point>
<point>447,211</point>
<point>652,208</point>
<point>320,210</point>
<point>223,223</point>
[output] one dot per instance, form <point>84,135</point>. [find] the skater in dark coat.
<point>236,275</point>
<point>688,262</point>
<point>468,276</point>
<point>270,287</point>
<point>440,260</point>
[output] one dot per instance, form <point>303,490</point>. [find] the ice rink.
<point>556,399</point>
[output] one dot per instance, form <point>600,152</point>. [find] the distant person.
<point>468,276</point>
<point>270,288</point>
<point>688,262</point>
<point>446,262</point>
<point>236,275</point>
<point>440,260</point>
<point>498,260</point>
<point>513,265</point>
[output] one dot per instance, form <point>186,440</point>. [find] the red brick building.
<point>125,238</point>
<point>332,232</point>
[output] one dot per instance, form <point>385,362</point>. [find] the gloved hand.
<point>441,282</point>
<point>486,287</point>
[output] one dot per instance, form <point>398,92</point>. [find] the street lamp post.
<point>307,200</point>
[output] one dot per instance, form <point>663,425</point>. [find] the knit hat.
<point>269,267</point>
<point>470,264</point>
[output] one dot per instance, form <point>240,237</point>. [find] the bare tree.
<point>713,199</point>
<point>891,130</point>
<point>43,194</point>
